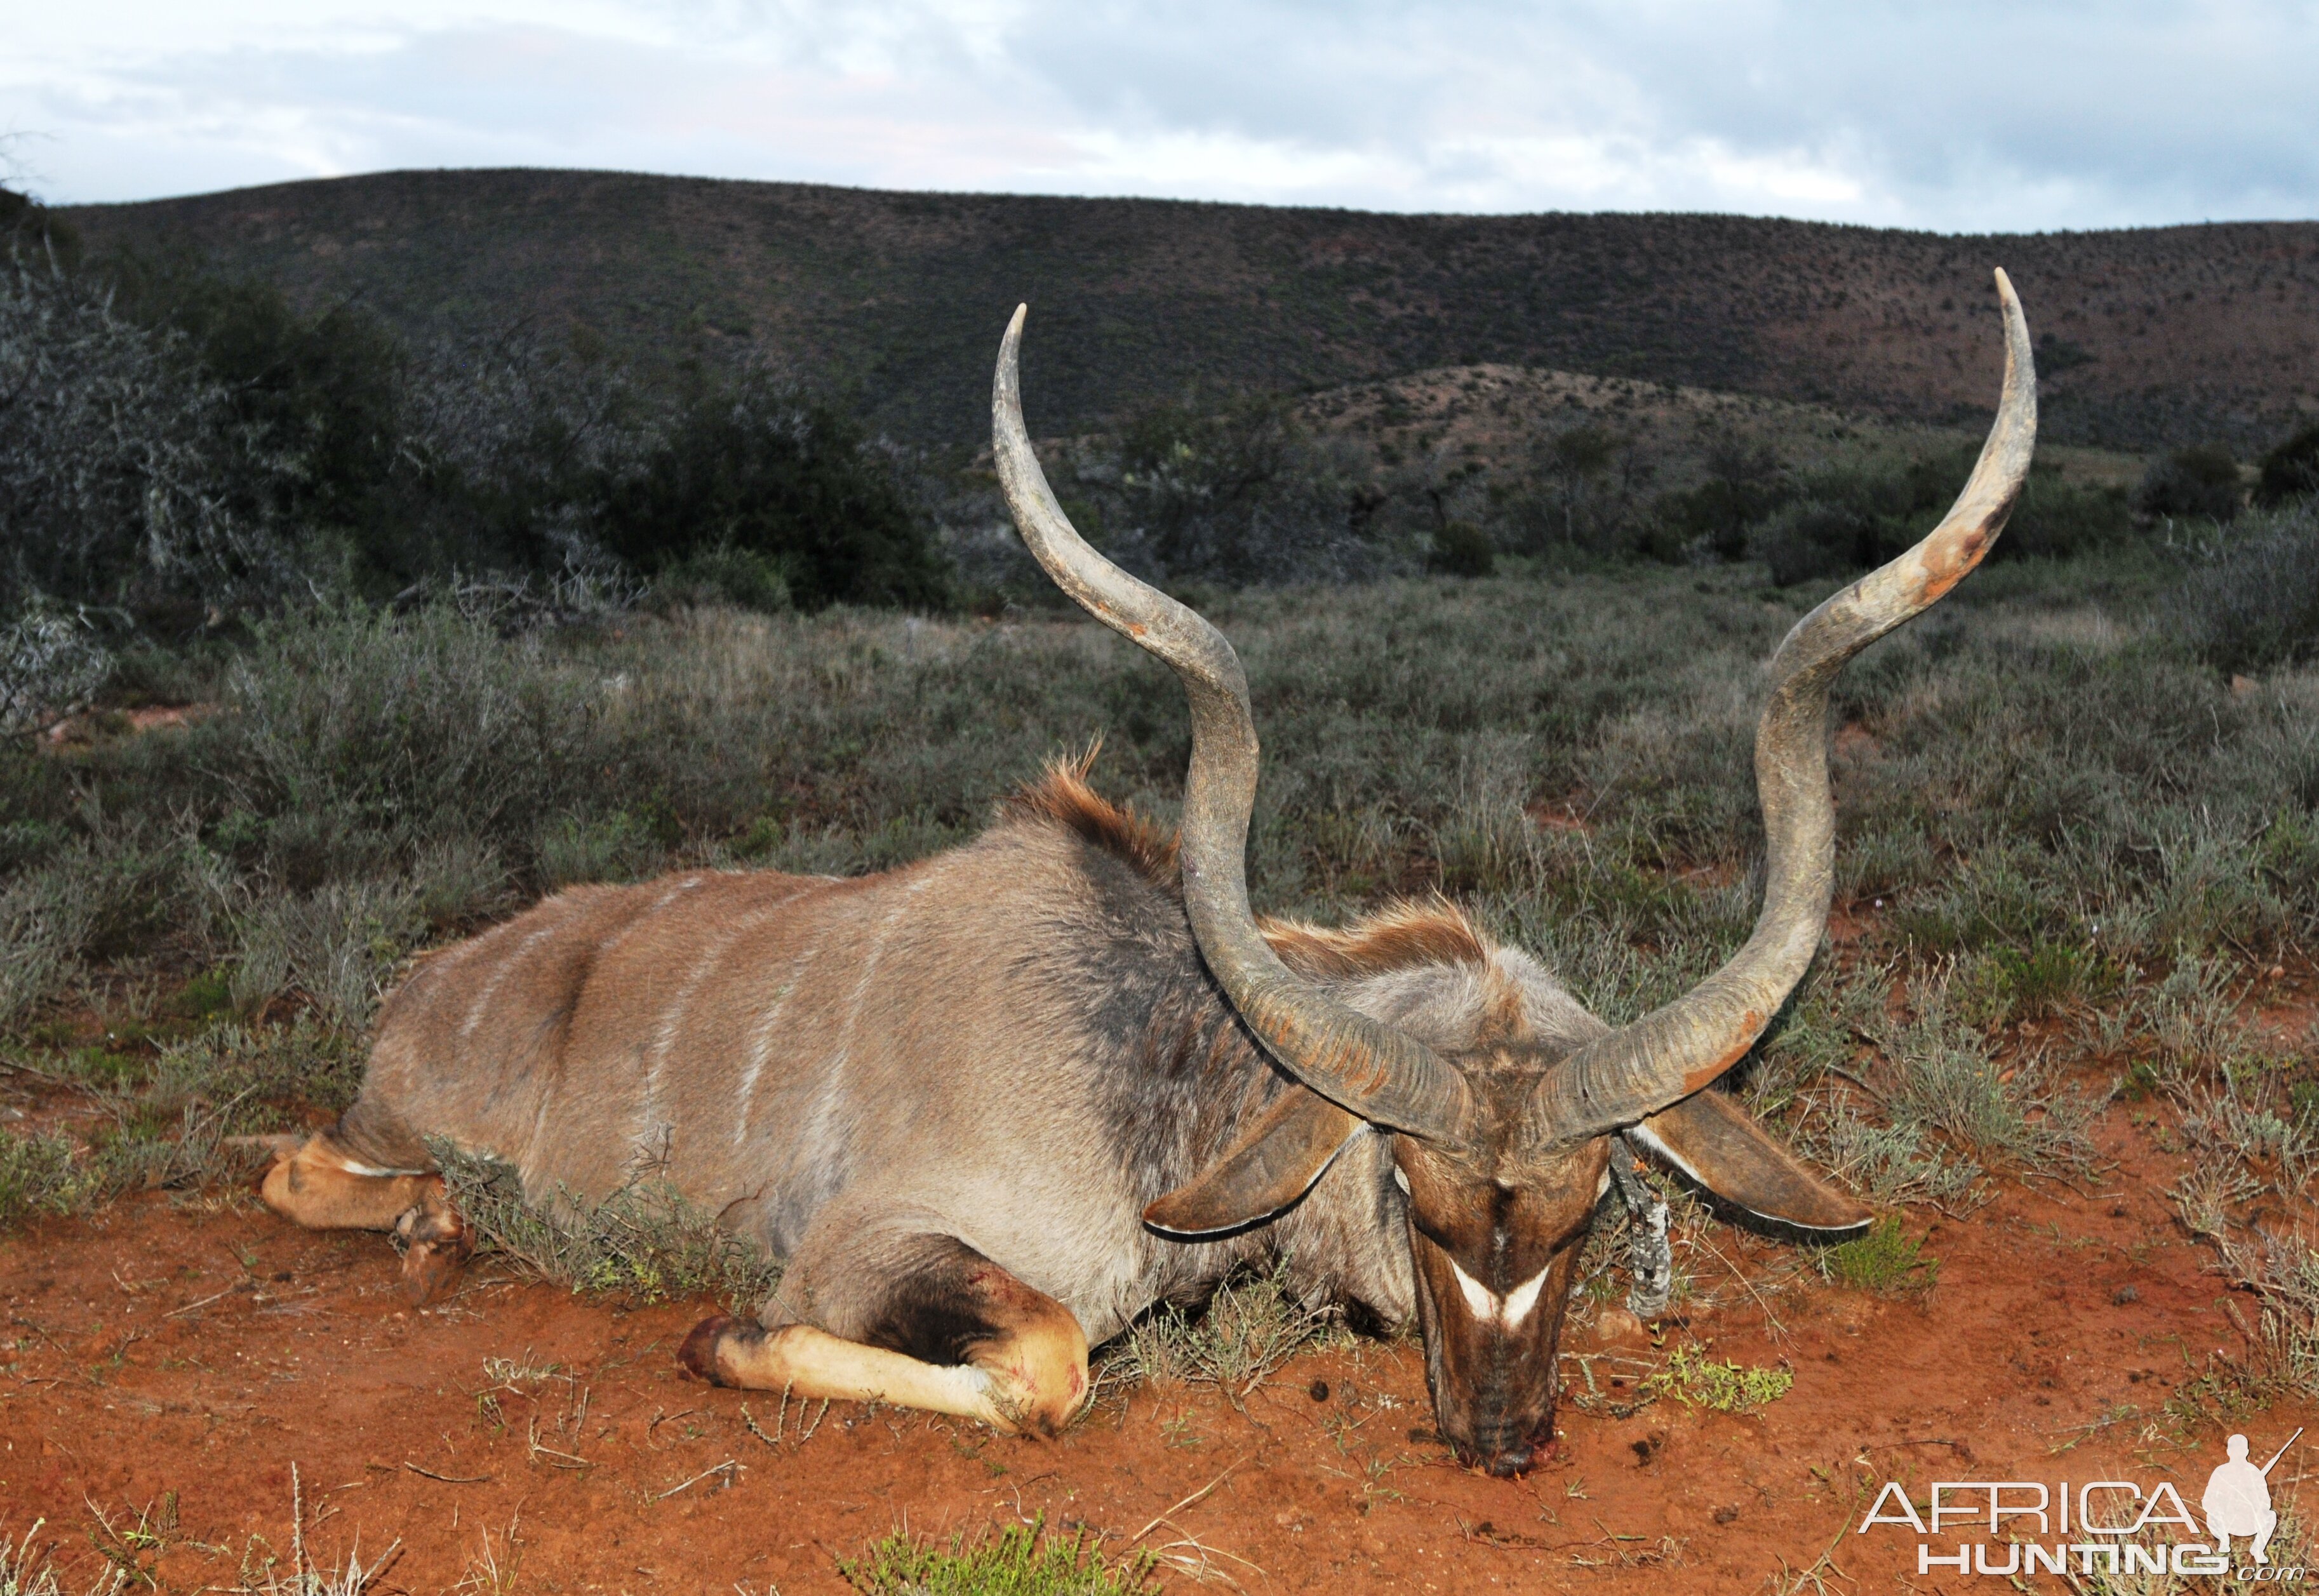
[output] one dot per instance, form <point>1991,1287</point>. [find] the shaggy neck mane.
<point>1398,936</point>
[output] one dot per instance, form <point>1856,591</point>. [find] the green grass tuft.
<point>1886,1260</point>
<point>1018,1561</point>
<point>1698,1381</point>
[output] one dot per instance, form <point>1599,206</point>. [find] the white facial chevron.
<point>1488,1307</point>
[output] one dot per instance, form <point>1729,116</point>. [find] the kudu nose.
<point>1501,1460</point>
<point>1513,1461</point>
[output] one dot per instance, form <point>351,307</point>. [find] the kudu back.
<point>990,1108</point>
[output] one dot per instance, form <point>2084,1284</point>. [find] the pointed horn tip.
<point>1005,379</point>
<point>2016,321</point>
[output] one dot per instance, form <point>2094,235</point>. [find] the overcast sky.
<point>1962,117</point>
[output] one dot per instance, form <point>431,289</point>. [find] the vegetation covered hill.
<point>2154,337</point>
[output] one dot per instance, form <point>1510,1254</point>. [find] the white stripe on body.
<point>833,1071</point>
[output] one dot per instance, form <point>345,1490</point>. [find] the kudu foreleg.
<point>953,1334</point>
<point>321,1186</point>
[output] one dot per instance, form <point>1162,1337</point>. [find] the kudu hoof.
<point>437,1253</point>
<point>263,1184</point>
<point>430,1271</point>
<point>698,1352</point>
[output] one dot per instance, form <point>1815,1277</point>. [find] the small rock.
<point>1728,1514</point>
<point>1319,1391</point>
<point>2124,1294</point>
<point>1614,1325</point>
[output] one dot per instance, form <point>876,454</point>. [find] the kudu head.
<point>1503,1150</point>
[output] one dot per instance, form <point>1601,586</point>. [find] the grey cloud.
<point>1970,115</point>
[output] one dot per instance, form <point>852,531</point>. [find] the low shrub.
<point>644,1241</point>
<point>44,1173</point>
<point>1461,549</point>
<point>2253,602</point>
<point>1809,538</point>
<point>2198,483</point>
<point>2289,471</point>
<point>1886,1260</point>
<point>2058,519</point>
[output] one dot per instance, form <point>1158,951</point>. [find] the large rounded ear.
<point>1711,1139</point>
<point>1275,1162</point>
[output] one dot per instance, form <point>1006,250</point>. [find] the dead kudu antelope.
<point>992,1106</point>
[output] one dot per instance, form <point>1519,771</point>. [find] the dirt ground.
<point>173,1362</point>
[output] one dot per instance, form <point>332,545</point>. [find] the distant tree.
<point>1589,476</point>
<point>1743,484</point>
<point>1236,492</point>
<point>758,470</point>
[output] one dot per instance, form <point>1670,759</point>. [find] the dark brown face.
<point>1496,1240</point>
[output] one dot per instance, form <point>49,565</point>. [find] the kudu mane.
<point>1401,935</point>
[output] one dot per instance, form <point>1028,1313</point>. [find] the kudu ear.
<point>1711,1139</point>
<point>1272,1165</point>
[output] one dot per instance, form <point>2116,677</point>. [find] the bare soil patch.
<point>179,1358</point>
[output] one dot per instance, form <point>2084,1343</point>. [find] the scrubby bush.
<point>1460,548</point>
<point>2290,471</point>
<point>126,475</point>
<point>2253,602</point>
<point>1840,521</point>
<point>2059,519</point>
<point>323,391</point>
<point>742,578</point>
<point>355,735</point>
<point>2198,483</point>
<point>1843,520</point>
<point>1807,538</point>
<point>50,662</point>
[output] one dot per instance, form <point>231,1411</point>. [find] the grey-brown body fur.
<point>1015,1044</point>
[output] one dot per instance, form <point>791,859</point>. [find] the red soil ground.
<point>205,1349</point>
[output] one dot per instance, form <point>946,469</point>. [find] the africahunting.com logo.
<point>2013,1527</point>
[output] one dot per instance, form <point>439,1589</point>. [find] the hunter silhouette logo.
<point>2238,1499</point>
<point>2117,1527</point>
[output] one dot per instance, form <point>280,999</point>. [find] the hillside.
<point>2161,336</point>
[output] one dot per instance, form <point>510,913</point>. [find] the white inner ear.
<point>1641,1136</point>
<point>1642,1133</point>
